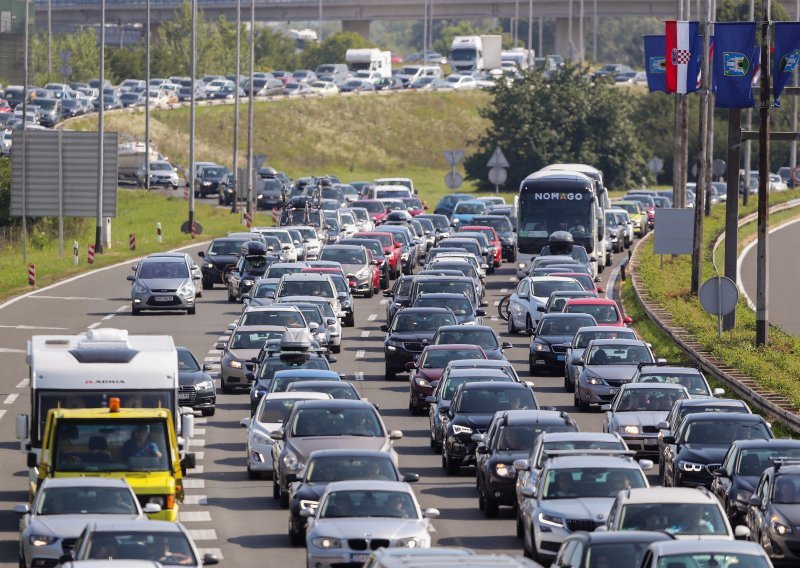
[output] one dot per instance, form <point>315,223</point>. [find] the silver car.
<point>244,345</point>
<point>575,351</point>
<point>357,517</point>
<point>333,323</point>
<point>705,553</point>
<point>163,283</point>
<point>50,526</point>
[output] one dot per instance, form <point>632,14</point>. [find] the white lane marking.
<point>384,301</point>
<point>195,443</point>
<point>122,308</point>
<point>69,298</point>
<point>195,500</point>
<point>215,551</point>
<point>504,290</point>
<point>194,516</point>
<point>360,376</point>
<point>11,398</point>
<point>494,318</point>
<point>202,534</point>
<point>2,413</point>
<point>365,334</point>
<point>32,327</point>
<point>512,278</point>
<point>93,325</point>
<point>23,383</point>
<point>497,302</point>
<point>108,317</point>
<point>199,431</point>
<point>194,483</point>
<point>372,317</point>
<point>360,354</point>
<point>198,456</point>
<point>198,469</point>
<point>9,350</point>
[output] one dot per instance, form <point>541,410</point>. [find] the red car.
<point>415,206</point>
<point>392,249</point>
<point>494,240</point>
<point>4,106</point>
<point>604,310</point>
<point>374,207</point>
<point>427,370</point>
<point>584,279</point>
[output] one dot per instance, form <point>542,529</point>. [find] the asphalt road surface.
<point>784,273</point>
<point>226,513</point>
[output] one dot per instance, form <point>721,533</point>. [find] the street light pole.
<point>425,33</point>
<point>762,264</point>
<point>49,38</point>
<point>147,100</point>
<point>192,103</point>
<point>319,24</point>
<point>250,173</point>
<point>235,168</point>
<point>530,26</point>
<point>98,235</point>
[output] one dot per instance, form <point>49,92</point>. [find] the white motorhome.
<point>369,59</point>
<point>86,370</point>
<point>518,57</point>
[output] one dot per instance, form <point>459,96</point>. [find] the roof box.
<point>296,340</point>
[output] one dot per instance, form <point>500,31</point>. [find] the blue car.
<point>448,202</point>
<point>464,211</point>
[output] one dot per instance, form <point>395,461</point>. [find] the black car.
<point>196,388</point>
<point>603,548</point>
<point>473,407</point>
<point>701,443</point>
<point>510,437</point>
<point>270,193</point>
<point>482,335</point>
<point>252,263</point>
<point>735,481</point>
<point>399,294</point>
<point>219,260</point>
<point>441,223</point>
<point>327,466</point>
<point>551,339</point>
<point>207,180</point>
<point>406,335</point>
<point>274,362</point>
<point>773,514</point>
<point>505,232</point>
<point>459,304</point>
<point>227,189</point>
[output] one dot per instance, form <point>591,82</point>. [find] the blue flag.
<point>695,65</point>
<point>655,62</point>
<point>787,54</point>
<point>734,63</point>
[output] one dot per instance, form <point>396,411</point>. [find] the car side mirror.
<point>755,501</point>
<point>506,345</point>
<point>22,509</point>
<point>718,392</point>
<point>540,308</point>
<point>210,559</point>
<point>387,293</point>
<point>442,410</point>
<point>602,291</point>
<point>395,434</point>
<point>32,459</point>
<point>661,361</point>
<point>411,365</point>
<point>244,422</point>
<point>131,278</point>
<point>201,254</point>
<point>663,425</point>
<point>522,465</point>
<point>410,477</point>
<point>669,439</point>
<point>720,472</point>
<point>430,513</point>
<point>578,361</point>
<point>384,327</point>
<point>480,313</point>
<point>277,435</point>
<point>207,367</point>
<point>483,450</point>
<point>152,509</point>
<point>291,477</point>
<point>605,408</point>
<point>523,296</point>
<point>529,492</point>
<point>627,320</point>
<point>741,532</point>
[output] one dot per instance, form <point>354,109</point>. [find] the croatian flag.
<point>681,45</point>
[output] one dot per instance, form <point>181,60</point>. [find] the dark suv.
<point>407,334</point>
<point>196,388</point>
<point>208,180</point>
<point>219,260</point>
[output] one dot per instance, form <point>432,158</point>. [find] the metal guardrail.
<point>774,405</point>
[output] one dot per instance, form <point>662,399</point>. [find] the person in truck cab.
<point>140,445</point>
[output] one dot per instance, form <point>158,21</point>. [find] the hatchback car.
<point>406,335</point>
<point>601,548</point>
<point>163,283</point>
<point>531,294</point>
<point>428,370</point>
<point>551,340</point>
<point>689,377</point>
<point>482,335</point>
<point>773,513</point>
<point>604,310</point>
<point>704,553</point>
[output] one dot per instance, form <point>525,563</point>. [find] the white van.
<point>410,73</point>
<point>388,192</point>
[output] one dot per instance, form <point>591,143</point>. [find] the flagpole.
<point>762,263</point>
<point>710,155</point>
<point>748,125</point>
<point>793,144</point>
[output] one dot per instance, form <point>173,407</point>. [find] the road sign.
<point>694,170</point>
<point>65,70</point>
<point>187,228</point>
<point>498,160</point>
<point>498,176</point>
<point>655,165</point>
<point>718,295</point>
<point>453,180</point>
<point>258,161</point>
<point>453,157</point>
<point>66,55</point>
<point>719,167</point>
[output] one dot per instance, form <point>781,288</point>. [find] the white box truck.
<point>518,57</point>
<point>369,59</point>
<point>469,54</point>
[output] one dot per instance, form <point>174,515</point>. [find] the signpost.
<point>654,166</point>
<point>454,157</point>
<point>497,169</point>
<point>718,295</point>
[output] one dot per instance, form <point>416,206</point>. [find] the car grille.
<point>414,346</point>
<point>364,544</point>
<point>616,382</point>
<point>649,430</point>
<point>165,291</point>
<point>68,544</point>
<point>186,394</point>
<point>587,525</point>
<point>559,348</point>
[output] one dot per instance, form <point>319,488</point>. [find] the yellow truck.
<point>137,444</point>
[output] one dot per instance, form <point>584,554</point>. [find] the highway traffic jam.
<point>535,422</point>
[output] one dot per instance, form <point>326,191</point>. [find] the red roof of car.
<point>591,301</point>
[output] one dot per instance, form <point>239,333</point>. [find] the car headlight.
<point>139,289</point>
<point>521,266</point>
<point>594,380</point>
<point>551,520</point>
<point>393,343</point>
<point>308,504</point>
<point>410,542</point>
<point>777,525</point>
<point>690,466</point>
<point>157,500</point>
<point>461,429</point>
<point>505,470</point>
<point>248,282</point>
<point>422,382</point>
<point>234,364</point>
<point>404,256</point>
<point>629,429</point>
<point>205,385</point>
<point>363,273</point>
<point>42,539</point>
<point>326,542</point>
<point>206,183</point>
<point>260,439</point>
<point>209,265</point>
<point>541,347</point>
<point>291,462</point>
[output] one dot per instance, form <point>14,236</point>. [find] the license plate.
<point>559,357</point>
<point>184,396</point>
<point>359,557</point>
<point>163,298</point>
<point>648,442</point>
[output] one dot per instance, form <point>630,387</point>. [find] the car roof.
<point>442,295</point>
<point>487,372</point>
<point>609,537</point>
<point>609,329</point>
<point>298,395</point>
<point>342,247</point>
<point>712,402</point>
<point>493,385</point>
<point>305,276</point>
<point>641,386</point>
<point>349,452</point>
<point>430,310</point>
<point>591,301</point>
<point>668,548</point>
<point>536,279</point>
<point>777,442</point>
<point>335,403</point>
<point>479,363</point>
<point>568,462</point>
<point>369,484</point>
<point>612,342</point>
<point>714,416</point>
<point>137,526</point>
<point>534,416</point>
<point>306,373</point>
<point>583,436</point>
<point>562,315</point>
<point>667,495</point>
<point>452,346</point>
<point>669,369</point>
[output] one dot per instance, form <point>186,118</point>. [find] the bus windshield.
<point>539,217</point>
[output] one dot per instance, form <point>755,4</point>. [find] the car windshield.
<point>445,287</point>
<point>785,490</point>
<point>336,422</point>
<point>255,263</point>
<point>583,338</point>
<point>319,288</point>
<point>753,462</point>
<point>579,445</point>
<point>653,400</point>
<point>586,281</point>
<point>463,267</point>
<point>723,432</point>
<point>344,256</point>
<point>307,233</point>
<point>673,518</point>
<point>212,172</point>
<point>489,401</point>
<point>421,322</point>
<point>622,553</point>
<point>619,355</point>
<point>337,390</point>
<point>160,166</point>
<point>282,318</point>
<point>344,468</point>
<point>312,314</point>
<point>266,290</point>
<point>224,247</point>
<point>459,306</point>
<point>368,503</point>
<point>404,287</point>
<point>86,501</point>
<point>439,358</point>
<point>499,224</point>
<point>371,206</point>
<point>485,338</point>
<point>165,547</point>
<point>543,288</point>
<point>714,559</point>
<point>523,436</point>
<point>280,384</point>
<point>561,326</point>
<point>693,382</point>
<point>278,271</point>
<point>602,482</point>
<point>151,270</point>
<point>267,370</point>
<point>276,410</point>
<point>452,384</point>
<point>186,361</point>
<point>253,339</point>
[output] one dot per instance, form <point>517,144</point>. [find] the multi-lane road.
<point>226,512</point>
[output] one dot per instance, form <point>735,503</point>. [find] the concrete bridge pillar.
<point>361,27</point>
<point>568,46</point>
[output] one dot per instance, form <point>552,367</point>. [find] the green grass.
<point>776,366</point>
<point>138,212</point>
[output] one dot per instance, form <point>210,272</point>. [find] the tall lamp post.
<point>98,235</point>
<point>147,99</point>
<point>192,101</point>
<point>235,169</point>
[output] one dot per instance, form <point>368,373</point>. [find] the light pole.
<point>49,37</point>
<point>192,102</point>
<point>235,169</point>
<point>147,100</point>
<point>25,137</point>
<point>319,25</point>
<point>530,26</point>
<point>250,173</point>
<point>98,236</point>
<point>425,33</point>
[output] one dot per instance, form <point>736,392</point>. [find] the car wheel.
<point>512,329</point>
<point>390,374</point>
<point>296,538</point>
<point>450,467</point>
<point>528,323</point>
<point>566,383</point>
<point>231,297</point>
<point>369,292</point>
<point>576,398</point>
<point>276,487</point>
<point>527,539</point>
<point>490,507</point>
<point>252,474</point>
<point>520,525</point>
<point>191,311</point>
<point>336,348</point>
<point>284,499</point>
<point>136,311</point>
<point>224,387</point>
<point>350,320</point>
<point>208,411</point>
<point>530,365</point>
<point>208,284</point>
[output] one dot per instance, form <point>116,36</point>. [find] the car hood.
<point>370,527</point>
<point>415,336</point>
<point>703,454</point>
<point>352,268</point>
<point>163,283</point>
<point>613,372</point>
<point>221,259</point>
<point>311,491</point>
<point>475,420</point>
<point>641,418</point>
<point>789,512</point>
<point>187,378</point>
<point>304,446</point>
<point>244,354</point>
<point>430,374</point>
<point>595,508</point>
<point>555,339</point>
<point>495,354</point>
<point>71,526</point>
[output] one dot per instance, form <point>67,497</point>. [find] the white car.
<point>156,97</point>
<point>5,142</point>
<point>462,82</point>
<point>288,249</point>
<point>532,293</point>
<point>355,517</point>
<point>272,411</point>
<point>215,86</point>
<point>371,76</point>
<point>311,242</point>
<point>324,88</point>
